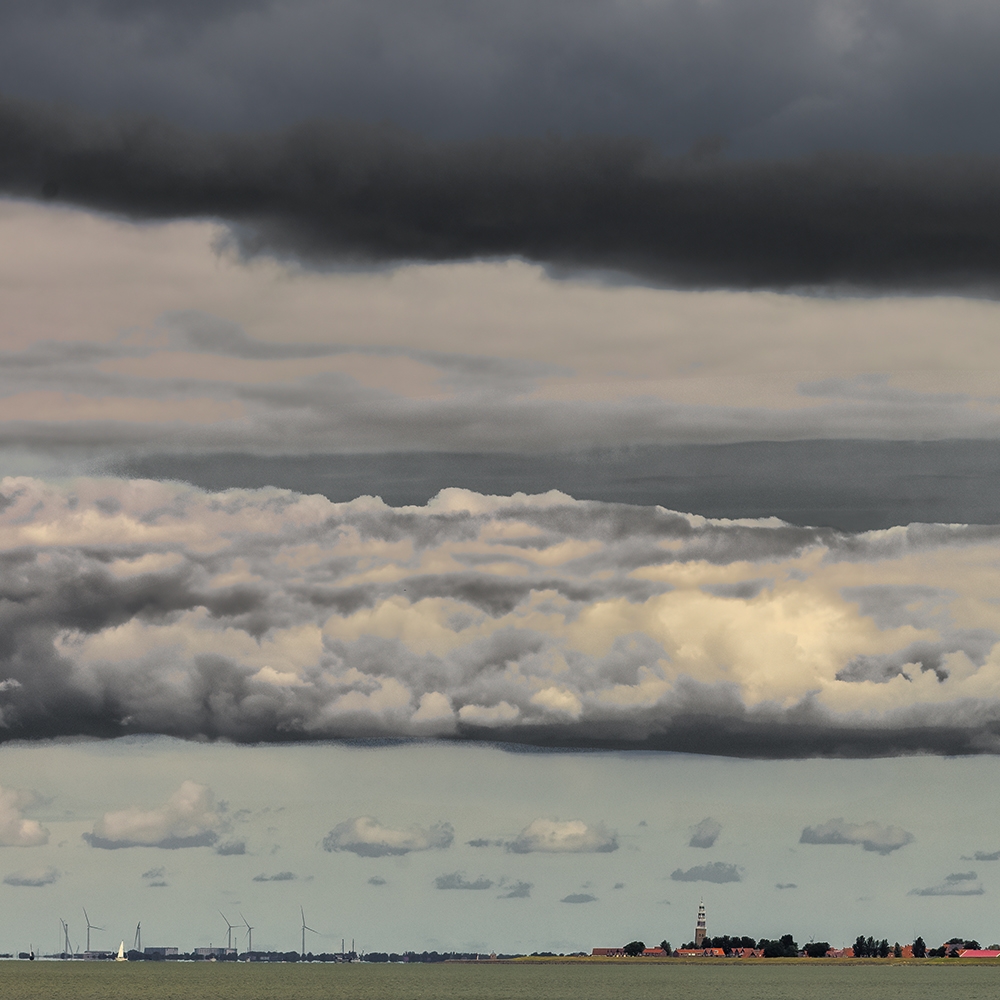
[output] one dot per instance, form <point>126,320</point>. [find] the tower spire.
<point>700,928</point>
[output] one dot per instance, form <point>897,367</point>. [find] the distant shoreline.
<point>602,960</point>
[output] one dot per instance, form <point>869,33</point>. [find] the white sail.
<point>121,953</point>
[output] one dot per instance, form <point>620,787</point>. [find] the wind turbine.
<point>90,927</point>
<point>304,929</point>
<point>137,943</point>
<point>249,937</point>
<point>229,929</point>
<point>67,949</point>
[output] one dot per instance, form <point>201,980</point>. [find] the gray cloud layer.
<point>371,194</point>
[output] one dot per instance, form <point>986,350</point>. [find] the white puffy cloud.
<point>367,838</point>
<point>15,830</point>
<point>871,836</point>
<point>189,818</point>
<point>550,836</point>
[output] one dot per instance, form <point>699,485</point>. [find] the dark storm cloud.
<point>714,871</point>
<point>706,833</point>
<point>871,836</point>
<point>986,856</point>
<point>579,897</point>
<point>372,194</point>
<point>787,75</point>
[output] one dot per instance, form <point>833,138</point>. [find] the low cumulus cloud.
<point>516,890</point>
<point>714,871</point>
<point>985,856</point>
<point>231,848</point>
<point>457,880</point>
<point>785,885</point>
<point>367,838</point>
<point>15,830</point>
<point>189,818</point>
<point>376,880</point>
<point>34,878</point>
<point>956,884</point>
<point>277,877</point>
<point>130,606</point>
<point>579,897</point>
<point>550,836</point>
<point>375,193</point>
<point>871,836</point>
<point>706,833</point>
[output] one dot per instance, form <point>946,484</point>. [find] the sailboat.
<point>121,957</point>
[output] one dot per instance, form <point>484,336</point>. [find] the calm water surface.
<point>208,981</point>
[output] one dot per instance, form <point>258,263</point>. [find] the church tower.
<point>700,928</point>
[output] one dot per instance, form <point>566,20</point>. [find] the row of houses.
<point>906,952</point>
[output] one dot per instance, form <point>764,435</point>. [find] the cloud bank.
<point>189,818</point>
<point>372,194</point>
<point>142,607</point>
<point>871,836</point>
<point>367,838</point>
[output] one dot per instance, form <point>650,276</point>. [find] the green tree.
<point>919,948</point>
<point>634,948</point>
<point>897,950</point>
<point>665,945</point>
<point>817,949</point>
<point>883,948</point>
<point>860,947</point>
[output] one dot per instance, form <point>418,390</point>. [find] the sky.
<point>495,475</point>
